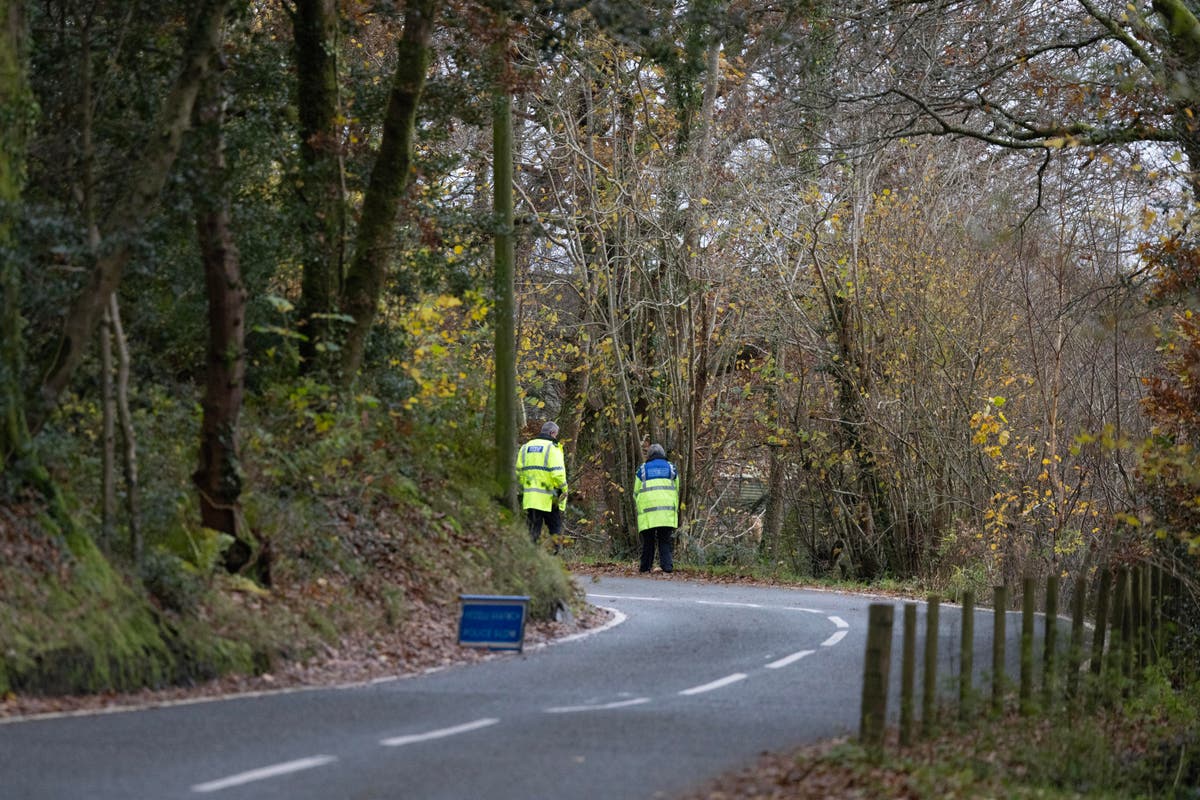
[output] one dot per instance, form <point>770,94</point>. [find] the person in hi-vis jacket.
<point>542,474</point>
<point>656,493</point>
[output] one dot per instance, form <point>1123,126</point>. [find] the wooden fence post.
<point>1136,655</point>
<point>1075,654</point>
<point>1050,639</point>
<point>1156,619</point>
<point>878,662</point>
<point>966,655</point>
<point>1098,633</point>
<point>1028,600</point>
<point>1145,640</point>
<point>1120,623</point>
<point>999,644</point>
<point>929,698</point>
<point>908,674</point>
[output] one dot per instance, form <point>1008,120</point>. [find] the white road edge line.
<point>617,619</point>
<point>603,707</point>
<point>794,657</point>
<point>627,597</point>
<point>717,684</point>
<point>834,639</point>
<point>397,741</point>
<point>841,623</point>
<point>735,605</point>
<point>263,773</point>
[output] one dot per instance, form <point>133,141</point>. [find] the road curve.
<point>690,680</point>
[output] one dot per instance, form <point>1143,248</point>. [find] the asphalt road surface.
<point>688,681</point>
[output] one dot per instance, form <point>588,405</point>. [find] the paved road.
<point>691,680</point>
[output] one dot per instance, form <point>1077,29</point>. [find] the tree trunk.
<point>137,201</point>
<point>389,179</point>
<point>323,223</point>
<point>772,527</point>
<point>128,437</point>
<point>108,404</point>
<point>505,255</point>
<point>17,109</point>
<point>87,192</point>
<point>218,477</point>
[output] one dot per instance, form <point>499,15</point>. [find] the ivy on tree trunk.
<point>323,217</point>
<point>504,258</point>
<point>16,110</point>
<point>389,180</point>
<point>219,478</point>
<point>138,201</point>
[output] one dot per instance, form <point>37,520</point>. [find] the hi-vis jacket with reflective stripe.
<point>542,474</point>
<point>656,492</point>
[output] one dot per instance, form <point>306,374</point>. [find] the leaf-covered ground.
<point>427,641</point>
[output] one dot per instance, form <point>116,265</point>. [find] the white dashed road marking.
<point>794,657</point>
<point>832,640</point>
<point>636,701</point>
<point>301,764</point>
<point>272,771</point>
<point>397,741</point>
<point>717,684</point>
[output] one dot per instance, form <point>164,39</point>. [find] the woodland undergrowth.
<point>368,523</point>
<point>1141,742</point>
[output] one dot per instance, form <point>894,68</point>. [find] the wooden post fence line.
<point>1102,598</point>
<point>1028,600</point>
<point>877,665</point>
<point>967,655</point>
<point>1075,653</point>
<point>1121,623</point>
<point>999,644</point>
<point>1130,602</point>
<point>1050,639</point>
<point>908,674</point>
<point>929,698</point>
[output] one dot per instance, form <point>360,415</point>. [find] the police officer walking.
<point>542,474</point>
<point>656,492</point>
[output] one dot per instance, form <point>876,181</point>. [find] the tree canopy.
<point>906,289</point>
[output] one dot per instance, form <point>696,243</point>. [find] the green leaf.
<point>335,317</point>
<point>280,304</point>
<point>278,331</point>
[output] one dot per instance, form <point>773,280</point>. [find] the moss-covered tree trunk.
<point>218,477</point>
<point>138,200</point>
<point>323,221</point>
<point>16,110</point>
<point>389,180</point>
<point>503,268</point>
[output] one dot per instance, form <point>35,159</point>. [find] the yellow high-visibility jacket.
<point>542,473</point>
<point>656,492</point>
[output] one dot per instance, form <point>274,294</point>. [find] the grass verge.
<point>1147,746</point>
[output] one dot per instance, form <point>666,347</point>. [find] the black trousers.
<point>662,538</point>
<point>552,518</point>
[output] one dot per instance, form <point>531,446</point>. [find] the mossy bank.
<point>367,527</point>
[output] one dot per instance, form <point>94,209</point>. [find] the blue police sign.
<point>496,622</point>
